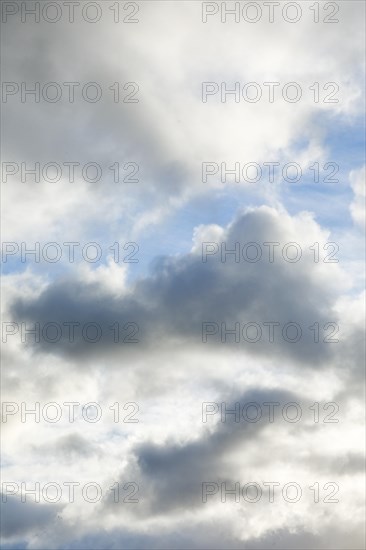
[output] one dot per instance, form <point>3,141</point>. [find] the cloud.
<point>165,306</point>
<point>174,216</point>
<point>169,464</point>
<point>24,518</point>
<point>170,132</point>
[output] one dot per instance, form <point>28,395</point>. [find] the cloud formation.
<point>146,377</point>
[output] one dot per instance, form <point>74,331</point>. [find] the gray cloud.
<point>181,294</point>
<point>170,475</point>
<point>21,518</point>
<point>170,370</point>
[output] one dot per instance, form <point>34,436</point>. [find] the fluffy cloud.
<point>208,286</point>
<point>170,132</point>
<point>181,373</point>
<point>194,289</point>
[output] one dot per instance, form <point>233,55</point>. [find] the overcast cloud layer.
<point>215,322</point>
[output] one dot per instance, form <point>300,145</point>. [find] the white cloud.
<point>170,372</point>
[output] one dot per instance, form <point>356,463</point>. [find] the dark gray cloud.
<point>170,475</point>
<point>21,518</point>
<point>171,305</point>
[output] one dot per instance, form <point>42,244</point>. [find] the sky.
<point>183,217</point>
